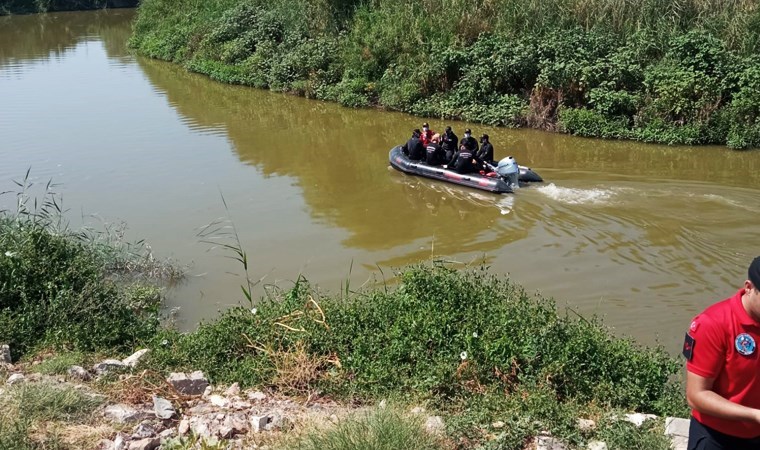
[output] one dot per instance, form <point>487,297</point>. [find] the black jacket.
<point>449,142</point>
<point>414,148</point>
<point>470,143</point>
<point>485,153</point>
<point>435,155</point>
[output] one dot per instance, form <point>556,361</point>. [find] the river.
<point>644,236</point>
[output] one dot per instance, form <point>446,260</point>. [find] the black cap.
<point>448,129</point>
<point>468,131</point>
<point>425,125</point>
<point>485,136</point>
<point>754,272</point>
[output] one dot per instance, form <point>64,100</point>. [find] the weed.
<point>381,429</point>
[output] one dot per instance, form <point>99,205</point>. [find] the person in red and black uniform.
<point>427,134</point>
<point>723,371</point>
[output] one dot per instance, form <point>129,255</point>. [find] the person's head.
<point>484,138</point>
<point>753,276</point>
<point>436,138</point>
<point>425,127</point>
<point>448,130</point>
<point>416,132</point>
<point>752,289</point>
<point>467,133</point>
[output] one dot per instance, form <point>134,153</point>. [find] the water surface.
<point>644,235</point>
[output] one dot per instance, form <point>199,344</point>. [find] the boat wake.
<point>573,196</point>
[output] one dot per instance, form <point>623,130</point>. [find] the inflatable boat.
<point>497,184</point>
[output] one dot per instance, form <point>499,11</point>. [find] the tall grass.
<point>638,69</point>
<point>380,429</point>
<point>62,288</point>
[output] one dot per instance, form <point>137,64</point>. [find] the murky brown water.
<point>643,235</point>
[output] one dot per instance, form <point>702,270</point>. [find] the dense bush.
<point>78,290</point>
<point>440,332</point>
<point>647,70</point>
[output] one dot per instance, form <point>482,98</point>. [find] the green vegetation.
<point>72,290</point>
<point>651,70</point>
<point>376,430</point>
<point>35,6</point>
<point>466,344</point>
<point>33,407</point>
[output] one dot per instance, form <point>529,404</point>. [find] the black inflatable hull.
<point>401,162</point>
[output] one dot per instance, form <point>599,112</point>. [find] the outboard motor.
<point>509,171</point>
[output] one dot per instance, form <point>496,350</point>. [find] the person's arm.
<point>700,396</point>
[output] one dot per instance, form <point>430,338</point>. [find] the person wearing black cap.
<point>464,160</point>
<point>485,154</point>
<point>723,371</point>
<point>413,147</point>
<point>449,142</point>
<point>469,142</point>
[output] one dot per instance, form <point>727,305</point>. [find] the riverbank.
<point>470,346</point>
<point>675,74</point>
<point>52,402</point>
<point>41,6</point>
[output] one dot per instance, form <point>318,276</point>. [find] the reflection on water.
<point>643,235</point>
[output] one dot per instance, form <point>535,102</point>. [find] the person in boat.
<point>485,154</point>
<point>463,161</point>
<point>469,142</point>
<point>449,143</point>
<point>413,147</point>
<point>434,151</point>
<point>427,134</point>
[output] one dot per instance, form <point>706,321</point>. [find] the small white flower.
<point>254,311</point>
<point>165,342</point>
<point>463,355</point>
<point>474,334</point>
<point>10,254</point>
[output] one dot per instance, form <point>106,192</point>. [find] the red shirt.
<point>725,348</point>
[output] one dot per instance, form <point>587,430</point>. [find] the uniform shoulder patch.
<point>688,347</point>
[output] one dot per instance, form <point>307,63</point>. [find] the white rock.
<point>184,427</point>
<point>586,424</point>
<point>675,426</point>
<point>638,419</point>
<point>145,444</point>
<point>166,434</point>
<point>232,390</point>
<point>119,442</point>
<point>434,425</point>
<point>193,384</point>
<point>257,396</point>
<point>134,358</point>
<point>219,401</point>
<point>549,443</point>
<point>144,430</point>
<point>122,413</point>
<point>679,442</point>
<point>163,408</point>
<point>107,366</point>
<point>15,378</point>
<point>259,423</point>
<point>597,445</point>
<point>498,424</point>
<point>79,373</point>
<point>5,354</point>
<point>417,410</point>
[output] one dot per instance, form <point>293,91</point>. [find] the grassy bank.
<point>470,345</point>
<point>38,6</point>
<point>673,72</point>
